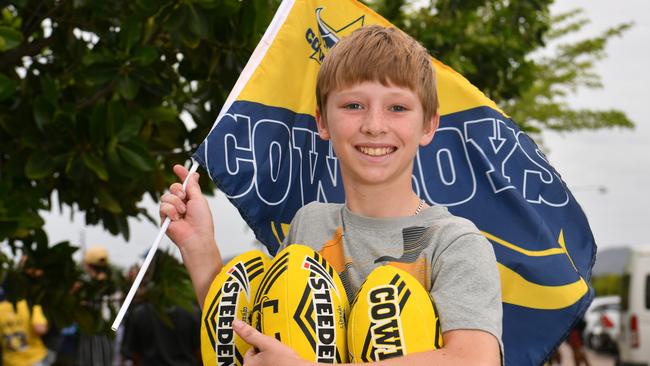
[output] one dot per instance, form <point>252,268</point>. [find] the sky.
<point>608,171</point>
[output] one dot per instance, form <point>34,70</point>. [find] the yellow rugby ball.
<point>230,296</point>
<point>392,315</point>
<point>302,303</point>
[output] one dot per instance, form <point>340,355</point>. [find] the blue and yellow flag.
<point>264,153</point>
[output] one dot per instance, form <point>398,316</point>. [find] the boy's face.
<point>375,131</point>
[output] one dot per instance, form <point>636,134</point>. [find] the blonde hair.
<point>386,55</point>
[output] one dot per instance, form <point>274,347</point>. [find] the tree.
<point>92,94</point>
<point>543,104</point>
<point>608,284</point>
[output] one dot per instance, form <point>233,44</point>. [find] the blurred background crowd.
<point>162,326</point>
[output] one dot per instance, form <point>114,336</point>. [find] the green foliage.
<point>486,41</point>
<point>167,284</point>
<point>91,94</point>
<point>45,275</point>
<point>569,67</point>
<point>609,284</point>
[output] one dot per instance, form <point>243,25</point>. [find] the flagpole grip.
<point>148,259</point>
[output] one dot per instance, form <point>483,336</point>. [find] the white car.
<point>603,324</point>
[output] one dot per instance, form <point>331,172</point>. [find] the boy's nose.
<point>374,122</point>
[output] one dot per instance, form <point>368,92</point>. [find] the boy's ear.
<point>323,132</point>
<point>430,128</point>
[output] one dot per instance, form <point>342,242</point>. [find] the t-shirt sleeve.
<point>466,287</point>
<point>293,229</point>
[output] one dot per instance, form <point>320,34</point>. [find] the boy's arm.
<point>462,347</point>
<point>192,230</point>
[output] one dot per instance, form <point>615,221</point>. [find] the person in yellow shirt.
<point>20,332</point>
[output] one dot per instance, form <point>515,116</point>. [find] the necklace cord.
<point>420,207</point>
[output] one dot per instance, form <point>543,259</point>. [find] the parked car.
<point>634,342</point>
<point>603,324</point>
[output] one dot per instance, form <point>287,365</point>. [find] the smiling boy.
<point>377,104</point>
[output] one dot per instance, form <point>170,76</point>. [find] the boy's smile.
<point>376,151</point>
<point>375,131</point>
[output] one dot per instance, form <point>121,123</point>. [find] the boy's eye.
<point>397,108</point>
<point>352,106</point>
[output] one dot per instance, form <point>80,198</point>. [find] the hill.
<point>610,261</point>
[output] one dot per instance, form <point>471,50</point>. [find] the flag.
<point>264,153</point>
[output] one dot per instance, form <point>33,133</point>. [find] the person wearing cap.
<point>97,348</point>
<point>96,262</point>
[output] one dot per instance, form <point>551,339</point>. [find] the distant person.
<point>148,341</point>
<point>96,348</point>
<point>95,262</point>
<point>575,341</point>
<point>67,352</point>
<point>21,329</point>
<point>152,338</point>
<point>555,359</point>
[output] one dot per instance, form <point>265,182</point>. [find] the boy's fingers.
<point>168,210</point>
<point>250,353</point>
<point>177,189</point>
<point>251,336</point>
<point>180,172</point>
<point>175,201</point>
<point>193,188</point>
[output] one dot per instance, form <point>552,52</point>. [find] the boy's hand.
<point>191,221</point>
<point>192,230</point>
<point>265,350</point>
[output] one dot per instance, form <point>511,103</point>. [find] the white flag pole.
<point>147,260</point>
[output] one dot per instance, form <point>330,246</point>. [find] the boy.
<point>377,104</point>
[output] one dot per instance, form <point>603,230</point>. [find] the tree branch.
<point>34,19</point>
<point>99,94</point>
<point>167,153</point>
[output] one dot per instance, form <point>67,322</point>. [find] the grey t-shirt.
<point>446,253</point>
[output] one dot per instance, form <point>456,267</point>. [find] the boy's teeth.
<point>375,151</point>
